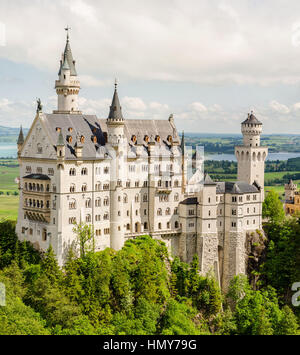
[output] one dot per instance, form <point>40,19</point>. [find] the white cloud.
<point>134,103</point>
<point>198,107</point>
<point>212,42</point>
<point>281,108</point>
<point>90,81</point>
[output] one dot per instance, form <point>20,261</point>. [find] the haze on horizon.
<point>209,63</point>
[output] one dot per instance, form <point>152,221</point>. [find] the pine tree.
<point>50,267</point>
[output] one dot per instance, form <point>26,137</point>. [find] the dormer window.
<point>58,129</point>
<point>82,139</point>
<point>133,138</point>
<point>157,138</point>
<point>170,139</point>
<point>69,139</point>
<point>70,129</point>
<point>146,139</point>
<point>94,139</point>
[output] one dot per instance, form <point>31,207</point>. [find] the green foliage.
<point>178,319</point>
<point>273,208</point>
<point>258,312</point>
<point>138,290</point>
<point>85,237</point>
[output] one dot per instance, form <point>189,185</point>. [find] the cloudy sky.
<point>208,62</point>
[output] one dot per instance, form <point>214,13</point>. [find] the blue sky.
<point>207,62</point>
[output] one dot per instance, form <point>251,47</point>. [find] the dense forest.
<point>141,290</point>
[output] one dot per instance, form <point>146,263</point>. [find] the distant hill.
<point>11,131</point>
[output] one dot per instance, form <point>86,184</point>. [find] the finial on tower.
<point>67,29</point>
<point>116,83</point>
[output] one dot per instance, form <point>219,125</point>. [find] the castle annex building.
<point>128,178</point>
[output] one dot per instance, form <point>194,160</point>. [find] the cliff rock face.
<point>256,243</point>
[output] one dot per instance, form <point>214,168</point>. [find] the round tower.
<point>67,86</point>
<point>251,155</point>
<point>115,139</point>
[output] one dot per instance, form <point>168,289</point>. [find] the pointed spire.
<point>60,140</point>
<point>68,57</point>
<point>21,137</point>
<point>115,112</point>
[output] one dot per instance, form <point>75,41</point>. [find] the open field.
<point>9,207</point>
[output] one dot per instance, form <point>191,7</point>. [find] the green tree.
<point>85,237</point>
<point>272,207</point>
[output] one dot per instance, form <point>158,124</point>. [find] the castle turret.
<point>115,132</point>
<point>251,156</point>
<point>60,146</point>
<point>67,86</point>
<point>289,190</point>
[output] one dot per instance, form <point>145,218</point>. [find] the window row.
<point>36,187</point>
<point>36,203</point>
<point>167,211</point>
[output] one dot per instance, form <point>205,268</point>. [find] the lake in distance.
<point>9,150</point>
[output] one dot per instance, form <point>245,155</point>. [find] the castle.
<point>130,177</point>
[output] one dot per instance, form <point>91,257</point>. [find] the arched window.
<point>125,198</point>
<point>168,211</point>
<point>176,224</point>
<point>159,212</point>
<point>98,202</point>
<point>159,225</point>
<point>72,188</point>
<point>88,218</point>
<point>145,225</point>
<point>83,188</point>
<point>72,204</point>
<point>176,197</point>
<point>88,203</point>
<point>106,201</point>
<point>145,198</point>
<point>136,198</point>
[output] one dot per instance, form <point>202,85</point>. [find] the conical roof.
<point>251,119</point>
<point>68,60</point>
<point>60,140</point>
<point>115,112</point>
<point>21,137</point>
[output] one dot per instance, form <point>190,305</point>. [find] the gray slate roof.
<point>238,187</point>
<point>90,126</point>
<point>115,111</point>
<point>251,119</point>
<point>208,180</point>
<point>69,57</point>
<point>21,137</point>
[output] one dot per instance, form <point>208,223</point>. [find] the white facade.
<point>128,178</point>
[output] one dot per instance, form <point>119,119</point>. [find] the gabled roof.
<point>208,180</point>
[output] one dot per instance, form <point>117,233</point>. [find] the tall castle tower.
<point>116,140</point>
<point>67,86</point>
<point>251,156</point>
